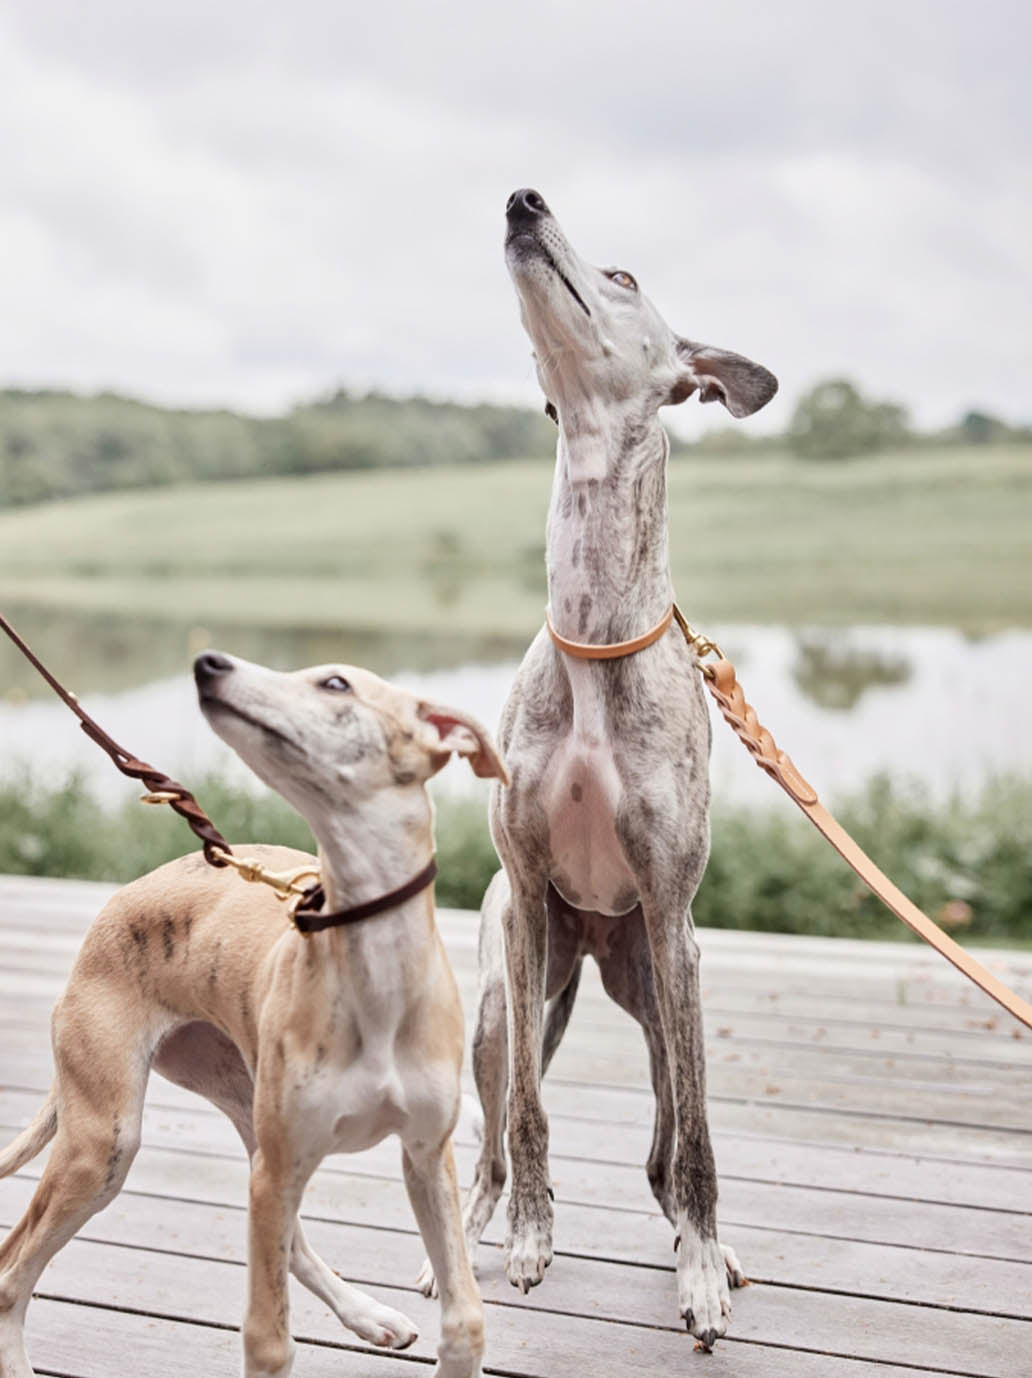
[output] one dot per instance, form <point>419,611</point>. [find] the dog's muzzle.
<point>524,210</point>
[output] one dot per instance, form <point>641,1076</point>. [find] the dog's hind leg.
<point>101,1080</point>
<point>628,979</point>
<point>557,1016</point>
<point>702,1267</point>
<point>491,1049</point>
<point>528,1238</point>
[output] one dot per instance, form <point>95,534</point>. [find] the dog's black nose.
<point>525,206</point>
<point>209,664</point>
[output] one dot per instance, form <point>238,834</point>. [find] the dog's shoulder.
<point>189,883</point>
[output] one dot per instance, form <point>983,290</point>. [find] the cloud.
<point>247,204</point>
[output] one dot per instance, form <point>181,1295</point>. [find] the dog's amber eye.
<point>623,279</point>
<point>337,683</point>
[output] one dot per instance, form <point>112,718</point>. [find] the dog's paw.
<point>528,1252</point>
<point>386,1328</point>
<point>735,1275</point>
<point>702,1286</point>
<point>427,1282</point>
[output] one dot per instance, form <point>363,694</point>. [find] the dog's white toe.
<point>427,1282</point>
<point>702,1286</point>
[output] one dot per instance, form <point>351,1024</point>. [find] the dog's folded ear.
<point>448,730</point>
<point>720,376</point>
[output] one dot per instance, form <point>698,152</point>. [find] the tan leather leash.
<point>723,685</point>
<point>305,908</point>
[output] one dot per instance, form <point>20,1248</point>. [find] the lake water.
<point>930,705</point>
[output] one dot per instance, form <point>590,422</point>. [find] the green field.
<point>922,536</point>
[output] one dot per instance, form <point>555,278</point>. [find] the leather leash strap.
<point>177,796</point>
<point>721,681</point>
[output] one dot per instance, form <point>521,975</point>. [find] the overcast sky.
<point>244,203</point>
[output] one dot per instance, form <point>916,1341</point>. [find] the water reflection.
<point>103,653</point>
<point>914,702</point>
<point>834,673</point>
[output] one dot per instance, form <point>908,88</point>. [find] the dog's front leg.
<point>528,1242</point>
<point>702,1277</point>
<point>434,1192</point>
<point>277,1185</point>
<point>380,1325</point>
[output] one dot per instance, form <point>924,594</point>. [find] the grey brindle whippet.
<point>604,832</point>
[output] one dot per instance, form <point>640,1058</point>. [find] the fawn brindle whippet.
<point>311,1045</point>
<point>604,832</point>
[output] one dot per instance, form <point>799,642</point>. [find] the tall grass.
<point>967,861</point>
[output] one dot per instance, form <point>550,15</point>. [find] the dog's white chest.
<point>581,794</point>
<point>369,1104</point>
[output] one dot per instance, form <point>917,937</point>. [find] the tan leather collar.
<point>583,650</point>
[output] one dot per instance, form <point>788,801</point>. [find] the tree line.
<point>57,444</point>
<point>60,444</point>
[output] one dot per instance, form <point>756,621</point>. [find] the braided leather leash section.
<point>720,679</point>
<point>177,796</point>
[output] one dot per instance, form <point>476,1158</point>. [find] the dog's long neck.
<point>606,543</point>
<point>393,844</point>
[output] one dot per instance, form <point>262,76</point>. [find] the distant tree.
<point>834,420</point>
<point>979,428</point>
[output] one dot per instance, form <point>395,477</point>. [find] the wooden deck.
<point>872,1118</point>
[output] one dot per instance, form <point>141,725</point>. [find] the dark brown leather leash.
<point>177,796</point>
<point>306,902</point>
<point>721,681</point>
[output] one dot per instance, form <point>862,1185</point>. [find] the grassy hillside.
<point>922,536</point>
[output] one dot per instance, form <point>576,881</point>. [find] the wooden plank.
<point>631,1230</point>
<point>766,1117</point>
<point>805,1078</point>
<point>580,1175</point>
<point>803,1207</point>
<point>778,960</point>
<point>910,1046</point>
<point>752,1158</point>
<point>68,1340</point>
<point>73,1341</point>
<point>827,1005</point>
<point>647,1335</point>
<point>607,1212</point>
<point>785,1260</point>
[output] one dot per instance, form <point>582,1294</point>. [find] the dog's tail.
<point>32,1140</point>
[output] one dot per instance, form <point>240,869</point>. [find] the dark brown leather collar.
<point>308,917</point>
